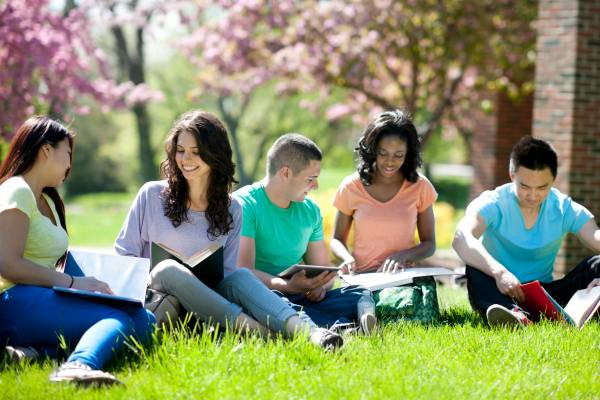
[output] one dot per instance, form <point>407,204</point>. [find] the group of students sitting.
<point>265,228</point>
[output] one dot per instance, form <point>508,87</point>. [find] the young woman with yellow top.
<point>33,238</point>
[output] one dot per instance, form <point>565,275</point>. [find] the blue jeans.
<point>239,292</point>
<point>339,305</point>
<point>35,316</point>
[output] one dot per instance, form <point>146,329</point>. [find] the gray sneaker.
<point>498,315</point>
<point>74,371</point>
<point>326,339</point>
<point>19,355</point>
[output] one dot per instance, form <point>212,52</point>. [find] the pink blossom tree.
<point>50,64</point>
<point>434,58</point>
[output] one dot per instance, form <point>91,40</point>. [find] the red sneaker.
<point>498,315</point>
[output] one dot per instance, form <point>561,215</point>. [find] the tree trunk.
<point>133,68</point>
<point>232,123</point>
<point>147,166</point>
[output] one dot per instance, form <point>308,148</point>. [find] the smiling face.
<point>532,186</point>
<point>391,153</point>
<point>187,156</point>
<point>299,184</point>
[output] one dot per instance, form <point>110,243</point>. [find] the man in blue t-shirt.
<point>281,228</point>
<point>521,225</point>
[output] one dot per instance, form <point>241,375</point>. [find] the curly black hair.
<point>389,123</point>
<point>215,150</point>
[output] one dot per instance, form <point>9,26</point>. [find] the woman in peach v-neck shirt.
<point>386,199</point>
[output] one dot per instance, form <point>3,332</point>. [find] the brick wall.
<point>567,103</point>
<point>495,137</point>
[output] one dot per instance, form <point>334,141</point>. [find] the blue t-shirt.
<point>527,253</point>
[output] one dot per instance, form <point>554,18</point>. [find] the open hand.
<point>392,265</point>
<point>348,266</point>
<point>92,284</point>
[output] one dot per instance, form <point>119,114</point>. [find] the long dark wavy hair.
<point>215,150</point>
<point>389,123</point>
<point>24,147</point>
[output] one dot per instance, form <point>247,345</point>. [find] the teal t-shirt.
<point>281,235</point>
<point>528,253</point>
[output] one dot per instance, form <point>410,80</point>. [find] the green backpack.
<point>413,302</point>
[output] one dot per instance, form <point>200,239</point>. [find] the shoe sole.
<point>500,317</point>
<point>88,381</point>
<point>368,323</point>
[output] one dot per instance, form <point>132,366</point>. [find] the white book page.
<point>126,276</point>
<point>582,304</point>
<point>380,280</point>
<point>377,280</point>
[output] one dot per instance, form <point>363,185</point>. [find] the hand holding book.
<point>594,283</point>
<point>509,285</point>
<point>302,283</point>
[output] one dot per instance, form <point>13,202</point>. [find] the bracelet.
<point>72,281</point>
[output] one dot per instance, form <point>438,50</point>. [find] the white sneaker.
<point>368,324</point>
<point>498,315</point>
<point>77,372</point>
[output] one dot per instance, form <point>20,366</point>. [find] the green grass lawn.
<point>95,219</point>
<point>456,358</point>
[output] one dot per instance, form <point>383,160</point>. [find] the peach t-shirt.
<point>381,229</point>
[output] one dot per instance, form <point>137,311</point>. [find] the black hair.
<point>534,154</point>
<point>389,123</point>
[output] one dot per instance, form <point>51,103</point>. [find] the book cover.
<point>206,264</point>
<point>126,276</point>
<point>581,307</point>
<point>311,270</point>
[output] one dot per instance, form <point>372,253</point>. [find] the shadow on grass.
<point>459,316</point>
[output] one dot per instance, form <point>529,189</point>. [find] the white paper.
<point>126,276</point>
<point>381,280</point>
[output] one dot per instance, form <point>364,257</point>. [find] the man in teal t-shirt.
<point>522,225</point>
<point>281,227</point>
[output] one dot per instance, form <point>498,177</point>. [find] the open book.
<point>126,276</point>
<point>382,280</point>
<point>579,310</point>
<point>311,270</point>
<point>206,264</point>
